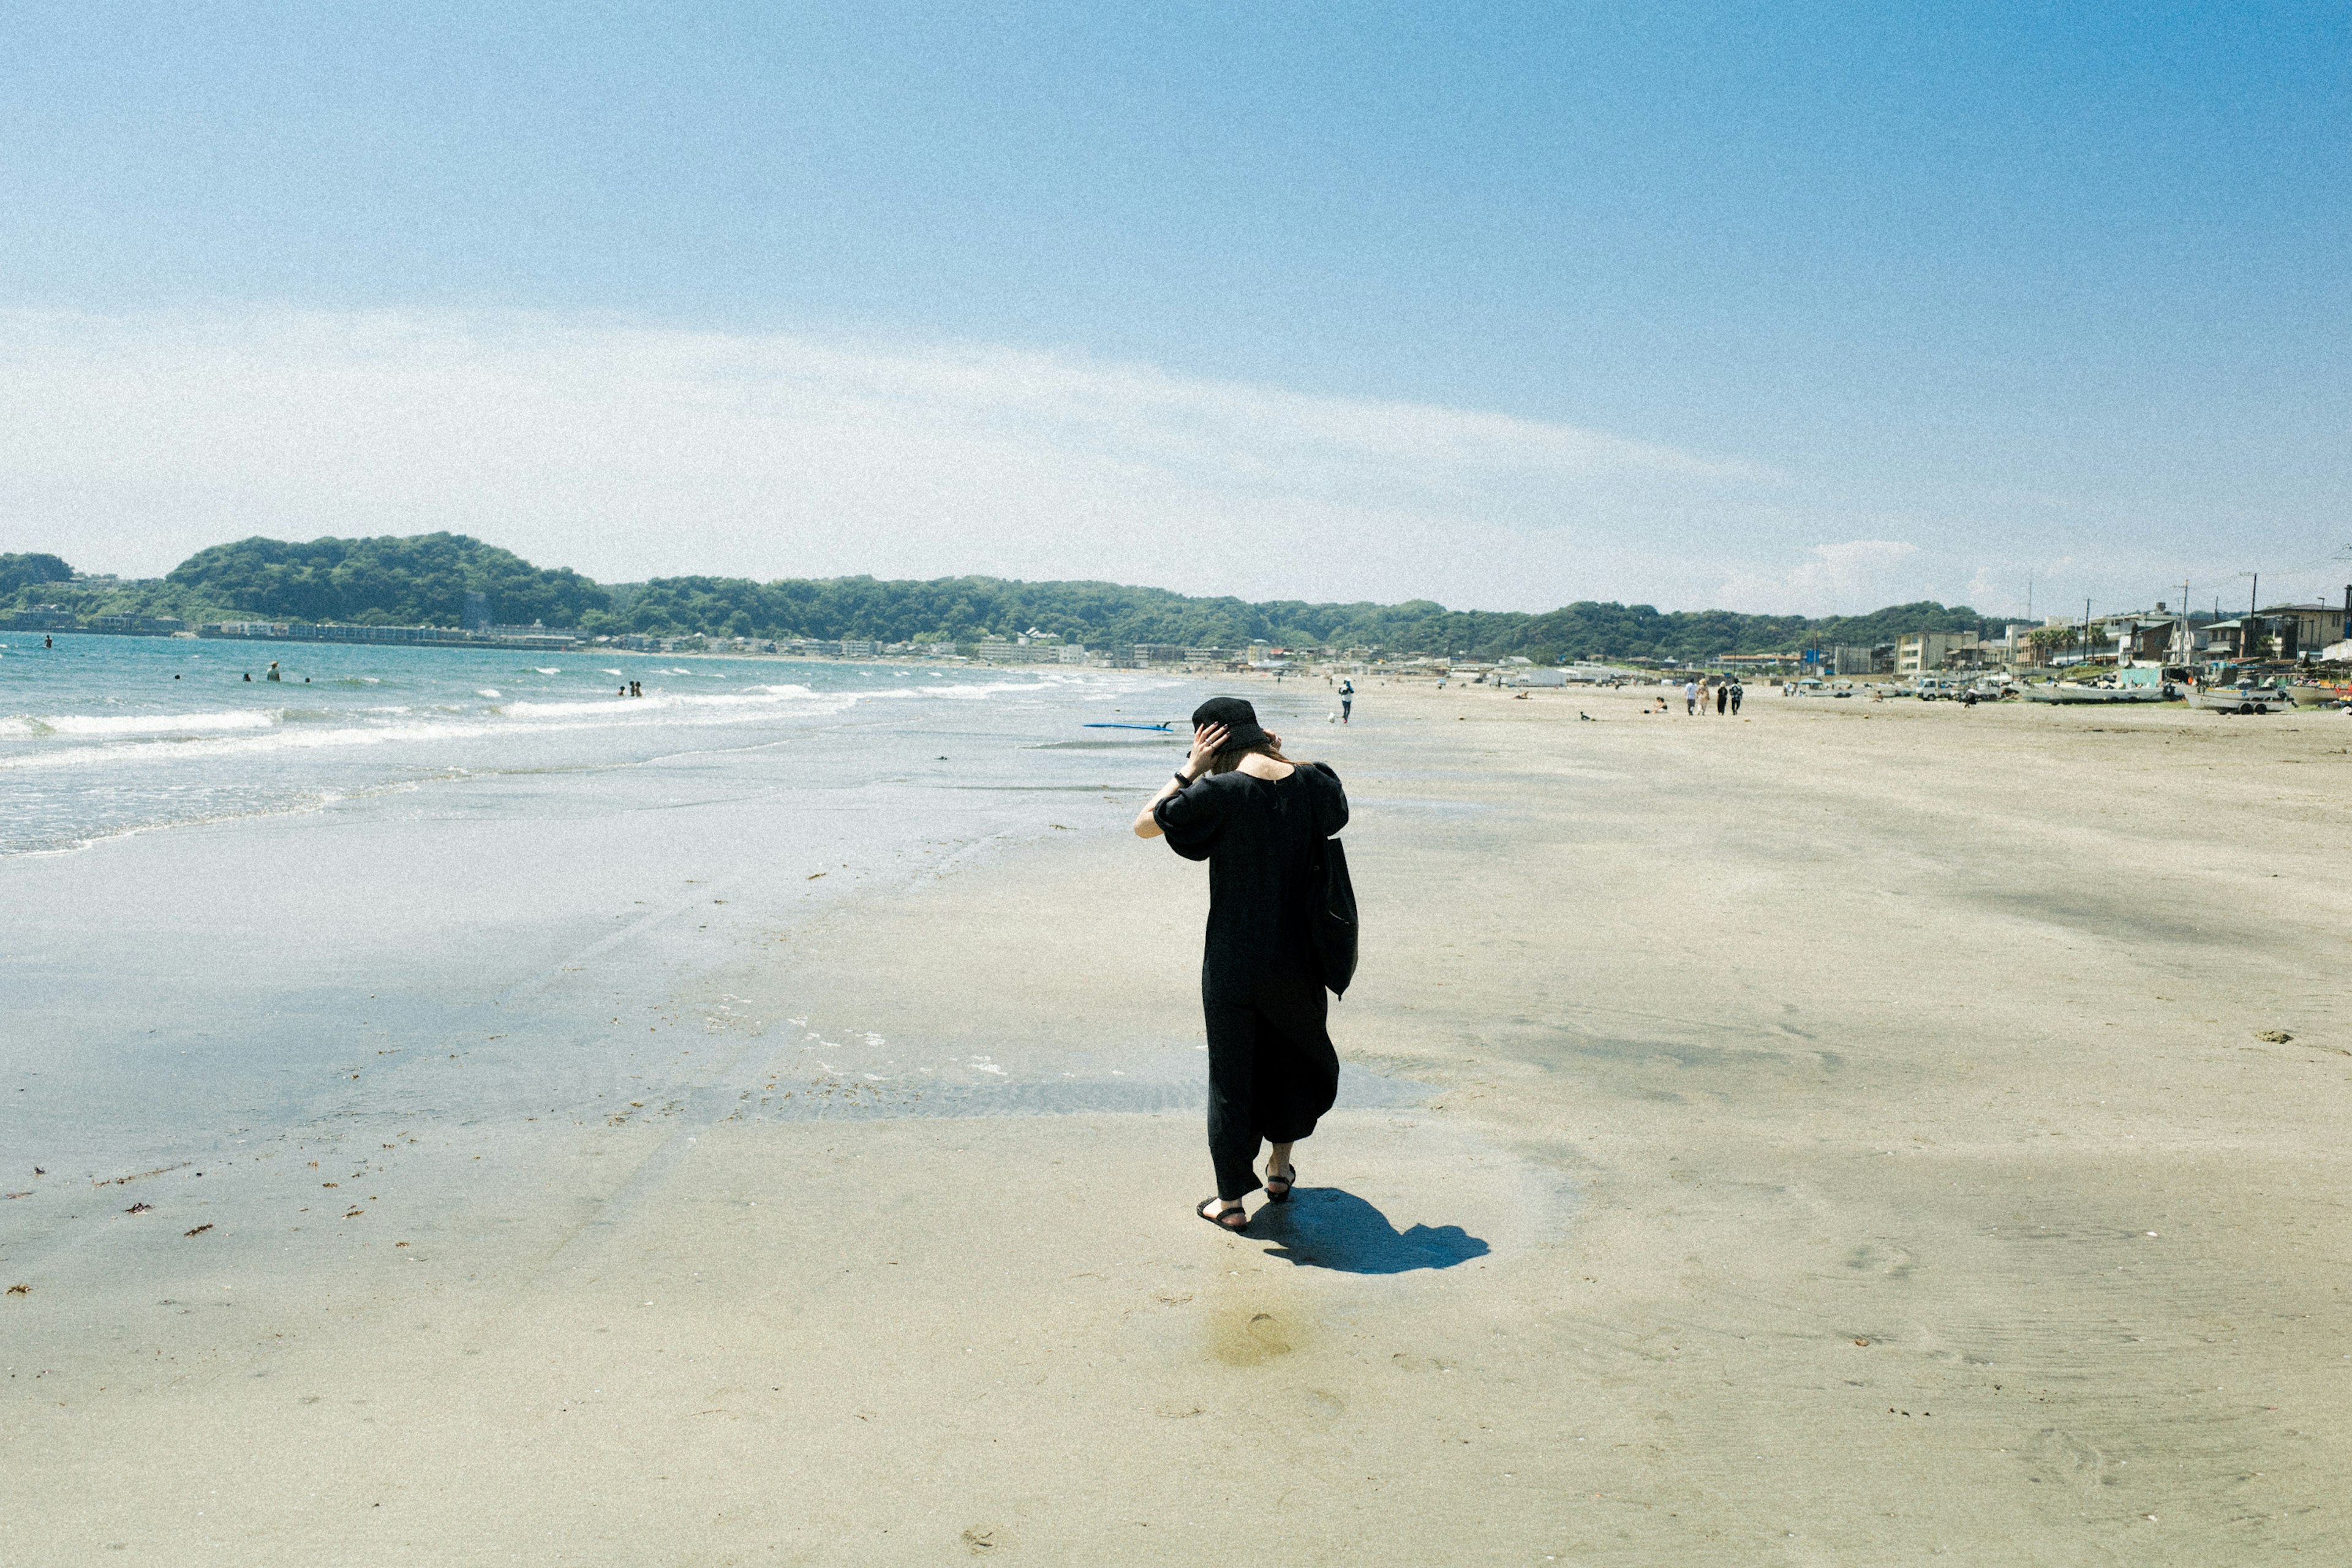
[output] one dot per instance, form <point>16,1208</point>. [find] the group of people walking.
<point>1726,695</point>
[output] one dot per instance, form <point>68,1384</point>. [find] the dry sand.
<point>1842,1134</point>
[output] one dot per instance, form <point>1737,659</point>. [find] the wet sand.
<point>1841,1134</point>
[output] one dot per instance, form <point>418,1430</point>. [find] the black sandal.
<point>1288,1182</point>
<point>1231,1219</point>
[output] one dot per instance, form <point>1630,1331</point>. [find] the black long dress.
<point>1272,1070</point>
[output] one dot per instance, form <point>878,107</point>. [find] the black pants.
<point>1272,1073</point>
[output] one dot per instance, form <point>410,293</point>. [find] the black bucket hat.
<point>1240,720</point>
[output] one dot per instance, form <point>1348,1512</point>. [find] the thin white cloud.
<point>128,441</point>
<point>1848,578</point>
<point>624,450</point>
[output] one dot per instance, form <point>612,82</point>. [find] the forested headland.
<point>423,580</point>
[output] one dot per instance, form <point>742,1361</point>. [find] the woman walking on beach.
<point>1257,819</point>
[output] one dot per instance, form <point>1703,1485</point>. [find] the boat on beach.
<point>2247,699</point>
<point>2314,694</point>
<point>2068,691</point>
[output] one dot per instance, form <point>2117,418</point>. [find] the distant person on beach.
<point>1347,699</point>
<point>1722,698</point>
<point>1257,819</point>
<point>1690,697</point>
<point>1737,691</point>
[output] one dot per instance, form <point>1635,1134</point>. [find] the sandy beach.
<point>1852,1132</point>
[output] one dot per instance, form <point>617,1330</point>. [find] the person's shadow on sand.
<point>1326,1228</point>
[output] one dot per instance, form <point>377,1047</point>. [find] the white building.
<point>1915,653</point>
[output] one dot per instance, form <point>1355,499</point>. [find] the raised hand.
<point>1207,742</point>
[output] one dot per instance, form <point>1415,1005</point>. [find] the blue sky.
<point>1505,305</point>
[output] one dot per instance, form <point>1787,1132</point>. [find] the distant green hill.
<point>1106,614</point>
<point>423,580</point>
<point>419,581</point>
<point>26,570</point>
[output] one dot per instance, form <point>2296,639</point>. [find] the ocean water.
<point>228,905</point>
<point>102,736</point>
<point>439,916</point>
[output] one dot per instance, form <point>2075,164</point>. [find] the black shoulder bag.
<point>1335,916</point>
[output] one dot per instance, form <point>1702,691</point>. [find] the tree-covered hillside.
<point>1104,614</point>
<point>26,570</point>
<point>422,581</point>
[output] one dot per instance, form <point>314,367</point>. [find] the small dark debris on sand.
<point>20,1289</point>
<point>136,1176</point>
<point>2275,1037</point>
<point>139,1208</point>
<point>198,1231</point>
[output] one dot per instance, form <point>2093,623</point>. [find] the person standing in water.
<point>1257,819</point>
<point>273,671</point>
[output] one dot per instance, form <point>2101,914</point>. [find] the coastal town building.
<point>2145,639</point>
<point>427,637</point>
<point>1849,659</point>
<point>2311,626</point>
<point>138,626</point>
<point>1915,653</point>
<point>2264,636</point>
